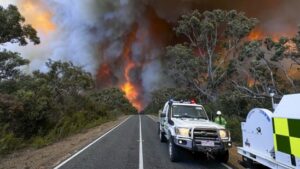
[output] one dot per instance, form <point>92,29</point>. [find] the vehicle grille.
<point>205,134</point>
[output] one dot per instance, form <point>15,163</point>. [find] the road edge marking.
<point>74,155</point>
<point>141,160</point>
<point>227,166</point>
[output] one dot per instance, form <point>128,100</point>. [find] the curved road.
<point>121,148</point>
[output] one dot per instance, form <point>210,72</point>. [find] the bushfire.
<point>131,90</point>
<point>125,39</point>
<point>37,15</point>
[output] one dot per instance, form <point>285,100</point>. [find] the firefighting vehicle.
<point>185,125</point>
<point>273,138</point>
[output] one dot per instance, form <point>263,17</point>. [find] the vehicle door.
<point>165,119</point>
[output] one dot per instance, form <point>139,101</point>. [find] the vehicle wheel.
<point>248,162</point>
<point>173,151</point>
<point>223,156</point>
<point>162,137</point>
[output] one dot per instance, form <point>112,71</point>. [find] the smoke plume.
<point>121,41</point>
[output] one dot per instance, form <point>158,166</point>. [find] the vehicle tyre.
<point>173,151</point>
<point>162,137</point>
<point>223,156</point>
<point>248,162</point>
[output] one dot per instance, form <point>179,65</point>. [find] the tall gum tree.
<point>205,60</point>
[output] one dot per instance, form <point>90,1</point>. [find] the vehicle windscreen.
<point>179,111</point>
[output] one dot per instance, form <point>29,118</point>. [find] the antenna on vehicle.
<point>272,94</point>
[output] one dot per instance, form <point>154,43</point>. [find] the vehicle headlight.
<point>224,134</point>
<point>182,131</point>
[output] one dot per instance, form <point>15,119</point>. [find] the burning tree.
<point>206,58</point>
<point>271,64</point>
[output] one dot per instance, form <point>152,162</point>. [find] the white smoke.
<point>83,26</point>
<point>93,31</point>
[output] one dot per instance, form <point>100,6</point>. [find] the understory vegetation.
<point>220,65</point>
<point>40,108</point>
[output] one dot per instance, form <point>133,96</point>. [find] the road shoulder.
<point>50,156</point>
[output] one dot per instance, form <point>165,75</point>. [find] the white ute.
<point>186,125</point>
<point>273,138</point>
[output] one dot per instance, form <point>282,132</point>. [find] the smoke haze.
<point>120,41</point>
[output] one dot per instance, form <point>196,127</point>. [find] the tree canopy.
<point>13,29</point>
<point>205,59</point>
<point>42,107</point>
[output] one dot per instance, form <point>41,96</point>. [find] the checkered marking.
<point>286,133</point>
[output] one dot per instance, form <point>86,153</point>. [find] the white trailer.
<point>273,139</point>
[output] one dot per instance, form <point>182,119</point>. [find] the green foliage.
<point>46,107</point>
<point>8,143</point>
<point>114,99</point>
<point>234,126</point>
<point>234,104</point>
<point>205,61</point>
<point>217,64</point>
<point>184,67</point>
<point>266,63</point>
<point>13,29</point>
<point>10,62</point>
<point>161,96</point>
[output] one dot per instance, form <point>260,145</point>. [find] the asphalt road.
<point>121,148</point>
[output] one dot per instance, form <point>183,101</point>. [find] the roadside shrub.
<point>8,143</point>
<point>39,142</point>
<point>161,96</point>
<point>233,104</point>
<point>113,100</point>
<point>234,126</point>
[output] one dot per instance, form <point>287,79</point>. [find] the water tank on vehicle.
<point>258,132</point>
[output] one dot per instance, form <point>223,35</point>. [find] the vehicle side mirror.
<point>171,122</point>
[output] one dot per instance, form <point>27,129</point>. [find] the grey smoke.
<point>93,31</point>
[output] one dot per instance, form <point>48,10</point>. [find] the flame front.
<point>256,34</point>
<point>129,87</point>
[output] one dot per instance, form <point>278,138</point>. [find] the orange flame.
<point>259,34</point>
<point>37,15</point>
<point>294,73</point>
<point>130,89</point>
<point>256,34</point>
<point>251,82</point>
<point>291,47</point>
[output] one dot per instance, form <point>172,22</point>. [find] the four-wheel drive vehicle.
<point>186,125</point>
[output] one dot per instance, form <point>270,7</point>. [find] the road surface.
<point>121,148</point>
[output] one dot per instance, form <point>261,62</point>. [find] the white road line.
<point>225,165</point>
<point>70,158</point>
<point>141,162</point>
<point>152,118</point>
